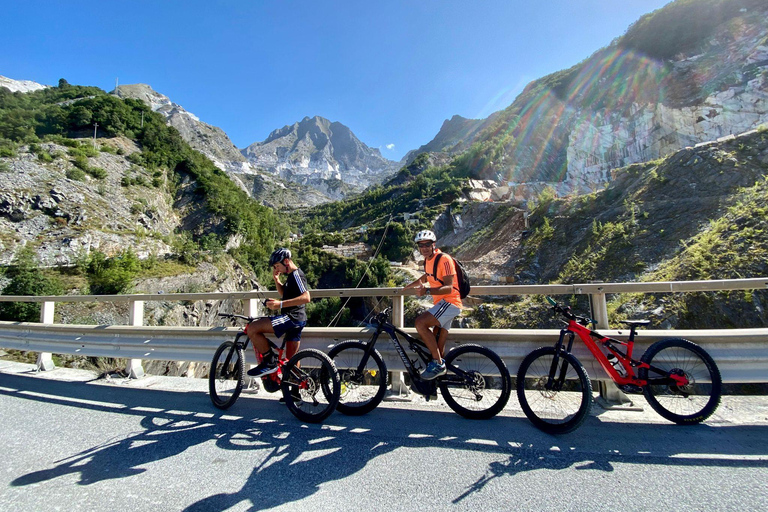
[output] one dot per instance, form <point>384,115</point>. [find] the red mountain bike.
<point>679,379</point>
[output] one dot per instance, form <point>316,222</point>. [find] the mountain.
<point>20,85</point>
<point>456,134</point>
<point>321,154</point>
<point>687,73</point>
<point>214,143</point>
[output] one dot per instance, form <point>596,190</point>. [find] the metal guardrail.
<point>742,354</point>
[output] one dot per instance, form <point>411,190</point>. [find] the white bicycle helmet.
<point>425,235</point>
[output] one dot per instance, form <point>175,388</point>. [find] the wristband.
<point>281,304</point>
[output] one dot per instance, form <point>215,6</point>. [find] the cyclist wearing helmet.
<point>439,283</point>
<point>292,317</point>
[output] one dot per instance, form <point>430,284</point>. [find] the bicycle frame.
<point>593,338</point>
<point>455,376</point>
<point>281,360</point>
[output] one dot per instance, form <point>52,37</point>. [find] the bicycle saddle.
<point>632,323</point>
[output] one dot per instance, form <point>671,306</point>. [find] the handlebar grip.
<point>551,301</point>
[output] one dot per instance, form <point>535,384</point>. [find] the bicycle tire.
<point>361,392</point>
<point>554,411</point>
<point>700,398</point>
<point>313,375</point>
<point>225,379</point>
<point>485,390</point>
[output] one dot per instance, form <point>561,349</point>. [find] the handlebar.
<point>233,316</point>
<point>383,317</point>
<point>566,312</point>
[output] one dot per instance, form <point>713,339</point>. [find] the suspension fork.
<point>370,347</point>
<point>556,381</point>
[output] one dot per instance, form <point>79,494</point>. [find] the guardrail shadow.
<point>285,451</point>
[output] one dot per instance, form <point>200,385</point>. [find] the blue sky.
<point>392,70</point>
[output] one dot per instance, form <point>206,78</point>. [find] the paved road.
<point>72,443</point>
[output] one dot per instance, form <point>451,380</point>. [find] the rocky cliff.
<point>321,154</point>
<point>214,143</point>
<point>628,102</point>
<point>66,218</point>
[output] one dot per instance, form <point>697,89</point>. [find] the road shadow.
<point>287,450</point>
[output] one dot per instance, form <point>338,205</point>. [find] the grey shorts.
<point>445,312</point>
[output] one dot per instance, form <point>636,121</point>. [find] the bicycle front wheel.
<point>225,378</point>
<point>688,404</point>
<point>556,398</point>
<point>478,384</point>
<point>361,390</point>
<point>310,385</point>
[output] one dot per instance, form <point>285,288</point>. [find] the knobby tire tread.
<point>714,374</point>
<point>503,376</point>
<point>219,356</point>
<point>586,392</point>
<point>328,371</point>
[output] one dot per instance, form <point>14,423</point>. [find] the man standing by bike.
<point>441,284</point>
<point>292,317</point>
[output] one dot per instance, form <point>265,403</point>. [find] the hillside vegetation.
<point>70,111</point>
<point>697,215</point>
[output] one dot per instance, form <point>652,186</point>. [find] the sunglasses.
<point>424,244</point>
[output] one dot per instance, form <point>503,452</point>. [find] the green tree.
<point>27,279</point>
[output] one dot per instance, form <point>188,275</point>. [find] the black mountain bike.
<point>477,385</point>
<point>309,381</point>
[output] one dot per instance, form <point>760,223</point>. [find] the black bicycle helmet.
<point>279,255</point>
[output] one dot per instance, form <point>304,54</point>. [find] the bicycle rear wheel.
<point>480,387</point>
<point>361,391</point>
<point>556,398</point>
<point>225,378</point>
<point>310,385</point>
<point>692,403</point>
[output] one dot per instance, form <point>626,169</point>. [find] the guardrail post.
<point>136,319</point>
<point>610,395</point>
<point>45,359</point>
<point>251,307</point>
<point>398,317</point>
<point>397,379</point>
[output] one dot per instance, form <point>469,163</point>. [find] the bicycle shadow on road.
<point>280,449</point>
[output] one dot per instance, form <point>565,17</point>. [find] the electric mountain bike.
<point>477,385</point>
<point>678,378</point>
<point>309,380</point>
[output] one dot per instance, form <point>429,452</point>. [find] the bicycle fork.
<point>554,381</point>
<point>232,353</point>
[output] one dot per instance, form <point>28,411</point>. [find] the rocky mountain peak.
<point>216,145</point>
<point>322,154</point>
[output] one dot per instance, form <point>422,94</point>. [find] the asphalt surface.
<point>72,441</point>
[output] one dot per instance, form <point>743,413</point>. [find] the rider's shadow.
<point>295,468</point>
<point>162,438</point>
<point>530,459</point>
<point>289,453</point>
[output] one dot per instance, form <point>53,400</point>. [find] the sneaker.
<point>267,366</point>
<point>294,394</point>
<point>434,370</point>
